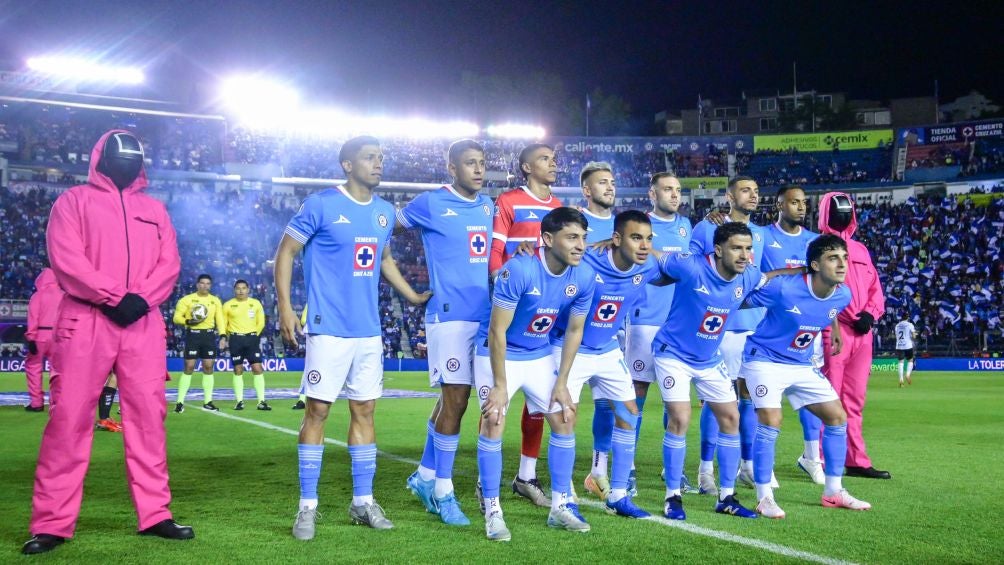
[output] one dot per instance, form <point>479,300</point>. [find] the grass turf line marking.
<point>680,525</point>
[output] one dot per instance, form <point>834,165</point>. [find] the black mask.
<point>841,212</point>
<point>121,159</point>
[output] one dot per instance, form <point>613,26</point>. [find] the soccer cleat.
<point>900,384</point>
<point>449,511</point>
<point>300,405</point>
<point>769,509</point>
<point>565,519</point>
<point>674,508</point>
<point>303,526</point>
<point>730,505</point>
<point>706,484</point>
<point>481,495</point>
<point>843,499</point>
<point>179,408</point>
<point>773,481</point>
<point>239,405</point>
<point>370,515</point>
<point>625,507</point>
<point>30,408</point>
<point>686,487</point>
<point>745,478</point>
<point>263,406</point>
<point>599,486</point>
<point>812,468</point>
<point>424,491</point>
<point>531,490</point>
<point>574,509</point>
<point>210,407</point>
<point>108,425</point>
<point>495,527</point>
<point>632,486</point>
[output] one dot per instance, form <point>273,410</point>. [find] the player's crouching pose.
<point>513,353</point>
<point>777,360</point>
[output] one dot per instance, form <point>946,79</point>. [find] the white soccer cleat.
<point>769,509</point>
<point>496,529</point>
<point>843,499</point>
<point>812,468</point>
<point>745,478</point>
<point>706,484</point>
<point>565,519</point>
<point>303,526</point>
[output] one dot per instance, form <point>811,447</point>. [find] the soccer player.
<point>777,360</point>
<point>743,195</point>
<point>600,191</point>
<point>343,233</point>
<point>905,334</point>
<point>105,401</point>
<point>711,288</point>
<point>849,370</point>
<point>201,313</point>
<point>513,353</point>
<point>244,320</point>
<point>454,225</point>
<point>43,310</point>
<point>671,233</point>
<point>785,244</point>
<point>622,273</point>
<point>515,227</point>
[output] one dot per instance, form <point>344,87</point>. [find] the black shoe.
<point>239,405</point>
<point>866,472</point>
<point>30,408</point>
<point>40,543</point>
<point>264,406</point>
<point>300,405</point>
<point>179,408</point>
<point>169,529</point>
<point>210,406</point>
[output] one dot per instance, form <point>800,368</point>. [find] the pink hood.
<point>43,307</point>
<point>862,276</point>
<point>824,212</point>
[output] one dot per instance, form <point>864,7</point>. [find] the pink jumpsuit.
<point>42,310</point>
<point>848,372</point>
<point>102,244</point>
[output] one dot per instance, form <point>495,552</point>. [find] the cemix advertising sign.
<point>827,141</point>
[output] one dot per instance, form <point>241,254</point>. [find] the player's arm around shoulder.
<point>390,272</point>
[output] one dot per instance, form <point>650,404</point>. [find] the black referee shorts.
<point>904,354</point>
<point>200,344</point>
<point>245,347</point>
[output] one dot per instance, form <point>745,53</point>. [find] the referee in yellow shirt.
<point>245,320</point>
<point>202,314</point>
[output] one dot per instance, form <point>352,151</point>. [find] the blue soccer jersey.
<point>668,236</point>
<point>615,290</point>
<point>525,284</point>
<point>795,316</point>
<point>782,250</point>
<point>343,242</point>
<point>701,309</point>
<point>703,243</point>
<point>599,228</point>
<point>455,235</point>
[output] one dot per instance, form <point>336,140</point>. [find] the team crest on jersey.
<point>453,364</point>
<point>638,365</point>
<point>505,275</point>
<point>365,256</point>
<point>314,377</point>
<point>683,231</point>
<point>382,220</point>
<point>833,313</point>
<point>541,324</point>
<point>760,391</point>
<point>683,255</point>
<point>756,236</point>
<point>606,311</point>
<point>570,290</point>
<point>668,382</point>
<point>636,280</point>
<point>483,392</point>
<point>477,243</point>
<point>803,340</point>
<point>739,292</point>
<point>712,324</point>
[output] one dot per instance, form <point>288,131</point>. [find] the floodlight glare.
<point>259,102</point>
<point>84,70</point>
<point>515,131</point>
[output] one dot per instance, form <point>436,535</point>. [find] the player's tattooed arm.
<point>390,272</point>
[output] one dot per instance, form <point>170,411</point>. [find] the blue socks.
<point>560,461</point>
<point>728,459</point>
<point>834,450</point>
<point>490,465</point>
<point>674,453</point>
<point>763,453</point>
<point>446,452</point>
<point>623,448</point>
<point>747,427</point>
<point>309,457</point>
<point>640,402</point>
<point>603,425</point>
<point>709,433</point>
<point>429,453</point>
<point>363,468</point>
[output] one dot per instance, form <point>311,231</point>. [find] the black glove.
<point>132,307</point>
<point>32,348</point>
<point>864,323</point>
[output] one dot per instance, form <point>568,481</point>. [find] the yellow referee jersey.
<point>245,317</point>
<point>214,312</point>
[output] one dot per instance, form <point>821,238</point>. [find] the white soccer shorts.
<point>638,352</point>
<point>451,352</point>
<point>674,378</point>
<point>535,377</point>
<point>732,347</point>
<point>606,374</point>
<point>355,363</point>
<point>802,384</point>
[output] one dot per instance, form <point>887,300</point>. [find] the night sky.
<point>401,55</point>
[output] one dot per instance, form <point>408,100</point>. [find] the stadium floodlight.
<point>515,131</point>
<point>259,102</point>
<point>84,70</point>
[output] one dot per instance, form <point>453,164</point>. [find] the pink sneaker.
<point>843,499</point>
